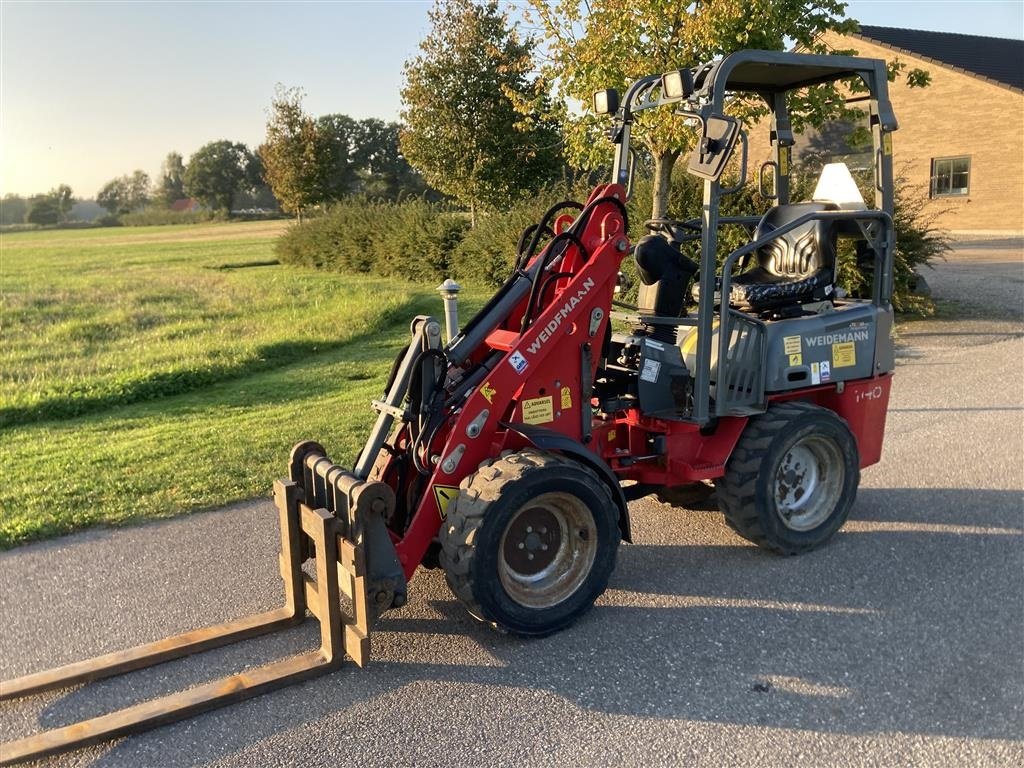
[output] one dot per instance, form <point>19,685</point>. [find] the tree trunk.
<point>663,164</point>
<point>472,214</point>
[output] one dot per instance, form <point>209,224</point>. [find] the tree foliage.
<point>616,43</point>
<point>463,130</point>
<point>366,159</point>
<point>125,193</point>
<point>217,172</point>
<point>297,157</point>
<point>13,209</point>
<point>171,186</point>
<point>43,210</point>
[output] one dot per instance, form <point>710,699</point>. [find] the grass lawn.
<point>155,370</point>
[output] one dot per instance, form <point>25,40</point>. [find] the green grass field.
<point>151,371</point>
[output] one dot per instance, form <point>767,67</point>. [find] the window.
<point>951,176</point>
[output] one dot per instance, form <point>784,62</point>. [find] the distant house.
<point>961,138</point>
<point>185,205</point>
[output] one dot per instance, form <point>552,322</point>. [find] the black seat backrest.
<point>802,252</point>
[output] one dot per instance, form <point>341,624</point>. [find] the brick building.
<point>961,138</point>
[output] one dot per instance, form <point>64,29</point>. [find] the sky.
<point>93,90</point>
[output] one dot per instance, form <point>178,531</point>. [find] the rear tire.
<point>792,478</point>
<point>530,541</point>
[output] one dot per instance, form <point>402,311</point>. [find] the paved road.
<point>901,643</point>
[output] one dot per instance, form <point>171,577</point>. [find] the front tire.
<point>530,541</point>
<point>792,478</point>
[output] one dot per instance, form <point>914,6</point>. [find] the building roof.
<point>993,58</point>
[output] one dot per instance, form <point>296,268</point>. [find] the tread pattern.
<point>466,513</point>
<point>737,490</point>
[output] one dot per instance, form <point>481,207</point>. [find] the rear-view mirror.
<point>715,146</point>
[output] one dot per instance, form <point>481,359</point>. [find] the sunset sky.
<point>89,91</point>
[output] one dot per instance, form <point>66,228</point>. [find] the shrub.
<point>427,241</point>
<point>158,216</point>
<point>414,239</point>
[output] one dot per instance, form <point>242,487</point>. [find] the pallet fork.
<point>340,568</point>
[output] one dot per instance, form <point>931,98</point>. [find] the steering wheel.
<point>676,231</point>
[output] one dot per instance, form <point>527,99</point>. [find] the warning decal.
<point>488,392</point>
<point>791,344</point>
<point>844,354</point>
<point>443,495</point>
<point>566,398</point>
<point>539,410</point>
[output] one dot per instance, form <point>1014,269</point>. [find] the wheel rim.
<point>547,550</point>
<point>808,483</point>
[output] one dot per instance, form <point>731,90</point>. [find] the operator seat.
<point>800,266</point>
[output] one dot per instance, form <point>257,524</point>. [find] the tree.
<point>64,197</point>
<point>216,173</point>
<point>125,193</point>
<point>43,210</point>
<point>13,209</point>
<point>380,165</point>
<point>601,45</point>
<point>463,130</point>
<point>171,186</point>
<point>609,47</point>
<point>341,135</point>
<point>366,158</point>
<point>298,161</point>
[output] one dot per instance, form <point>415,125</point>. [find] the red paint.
<point>862,405</point>
<point>551,347</point>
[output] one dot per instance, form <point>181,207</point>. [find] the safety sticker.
<point>815,374</point>
<point>443,495</point>
<point>651,370</point>
<point>488,392</point>
<point>792,345</point>
<point>539,410</point>
<point>797,359</point>
<point>611,435</point>
<point>844,354</point>
<point>518,362</point>
<point>566,398</point>
<point>826,370</point>
<point>887,143</point>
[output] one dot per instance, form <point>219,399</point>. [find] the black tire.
<point>792,478</point>
<point>489,534</point>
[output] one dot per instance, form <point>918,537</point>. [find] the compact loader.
<point>505,455</point>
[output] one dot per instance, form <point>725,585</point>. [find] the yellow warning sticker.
<point>488,392</point>
<point>887,143</point>
<point>844,354</point>
<point>443,495</point>
<point>611,435</point>
<point>792,346</point>
<point>566,398</point>
<point>784,161</point>
<point>539,410</point>
<point>797,359</point>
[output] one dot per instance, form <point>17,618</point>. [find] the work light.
<point>606,102</point>
<point>677,84</point>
